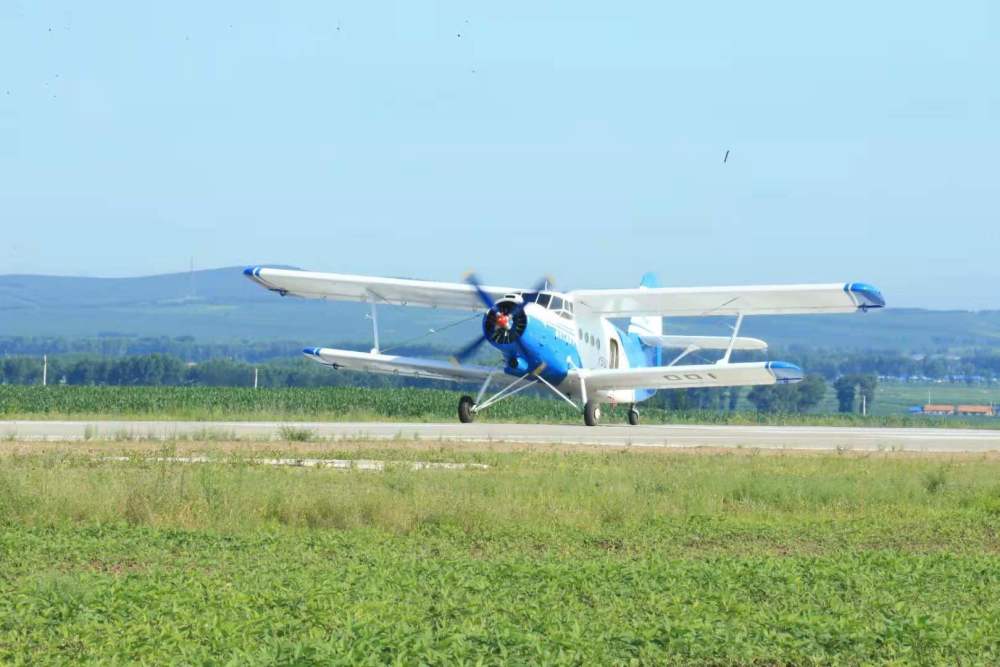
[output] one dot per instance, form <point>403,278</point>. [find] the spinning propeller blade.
<point>473,280</point>
<point>543,283</point>
<point>467,351</point>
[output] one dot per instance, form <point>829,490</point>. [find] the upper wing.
<point>749,300</point>
<point>397,291</point>
<point>686,377</point>
<point>392,364</point>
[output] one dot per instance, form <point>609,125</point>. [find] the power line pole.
<point>45,369</point>
<point>254,378</point>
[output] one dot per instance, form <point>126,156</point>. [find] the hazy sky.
<point>581,139</point>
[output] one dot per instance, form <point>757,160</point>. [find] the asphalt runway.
<point>652,436</point>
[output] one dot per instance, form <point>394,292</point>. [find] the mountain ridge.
<point>221,304</point>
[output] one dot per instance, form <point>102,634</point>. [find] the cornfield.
<point>365,404</point>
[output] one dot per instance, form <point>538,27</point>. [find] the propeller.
<point>505,321</point>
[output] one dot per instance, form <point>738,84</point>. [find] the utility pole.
<point>45,369</point>
<point>254,378</point>
<point>864,405</point>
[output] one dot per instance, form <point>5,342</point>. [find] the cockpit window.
<point>556,303</point>
<point>543,300</point>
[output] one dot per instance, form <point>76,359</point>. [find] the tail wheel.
<point>465,413</point>
<point>633,416</point>
<point>591,413</point>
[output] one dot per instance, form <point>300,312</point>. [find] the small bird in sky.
<point>726,158</point>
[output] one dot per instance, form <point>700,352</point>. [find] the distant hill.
<point>222,305</point>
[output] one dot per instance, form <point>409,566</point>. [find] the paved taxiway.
<point>653,436</point>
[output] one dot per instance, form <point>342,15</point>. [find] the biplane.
<point>589,347</point>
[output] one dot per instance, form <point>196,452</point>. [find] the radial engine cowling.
<point>505,322</point>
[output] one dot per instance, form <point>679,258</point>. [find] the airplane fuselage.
<point>558,337</point>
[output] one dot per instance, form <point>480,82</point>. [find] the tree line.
<point>968,365</point>
<point>152,370</point>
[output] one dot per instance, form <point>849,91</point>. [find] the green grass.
<point>594,558</point>
<point>363,404</point>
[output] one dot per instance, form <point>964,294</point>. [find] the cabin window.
<point>581,334</point>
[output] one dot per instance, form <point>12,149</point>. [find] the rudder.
<point>651,325</point>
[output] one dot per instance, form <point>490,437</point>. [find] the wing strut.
<point>688,350</point>
<point>374,319</point>
<point>732,341</point>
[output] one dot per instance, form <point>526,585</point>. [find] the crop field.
<point>546,555</point>
<point>365,404</point>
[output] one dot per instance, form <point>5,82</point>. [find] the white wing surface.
<point>391,364</point>
<point>687,377</point>
<point>705,342</point>
<point>395,291</point>
<point>748,300</point>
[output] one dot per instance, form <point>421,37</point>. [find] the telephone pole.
<point>45,369</point>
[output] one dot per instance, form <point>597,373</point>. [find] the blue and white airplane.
<point>567,342</point>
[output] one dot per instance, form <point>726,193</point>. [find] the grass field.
<point>897,397</point>
<point>548,556</point>
<point>363,404</point>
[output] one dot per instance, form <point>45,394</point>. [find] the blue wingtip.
<point>867,296</point>
<point>252,271</point>
<point>311,351</point>
<point>784,372</point>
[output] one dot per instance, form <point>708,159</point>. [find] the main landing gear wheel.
<point>465,413</point>
<point>591,413</point>
<point>633,416</point>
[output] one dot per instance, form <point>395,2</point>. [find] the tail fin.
<point>650,325</point>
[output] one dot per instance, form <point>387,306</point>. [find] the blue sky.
<point>581,139</point>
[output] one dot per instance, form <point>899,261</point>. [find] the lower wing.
<point>688,377</point>
<point>391,364</point>
<point>705,342</point>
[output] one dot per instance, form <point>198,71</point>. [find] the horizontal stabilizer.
<point>704,342</point>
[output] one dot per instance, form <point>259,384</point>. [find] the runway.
<point>651,436</point>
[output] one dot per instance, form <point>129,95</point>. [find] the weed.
<point>935,480</point>
<point>296,434</point>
